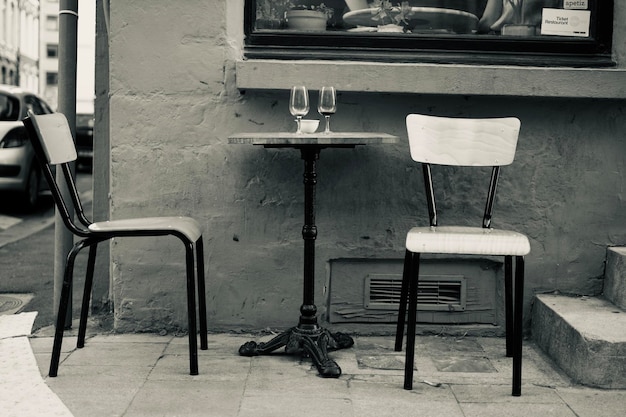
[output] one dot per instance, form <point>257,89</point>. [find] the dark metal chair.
<point>52,140</point>
<point>475,143</point>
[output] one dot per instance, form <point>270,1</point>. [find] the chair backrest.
<point>462,142</point>
<point>55,137</point>
<point>53,143</point>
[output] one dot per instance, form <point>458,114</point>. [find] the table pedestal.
<point>307,338</point>
<point>315,343</point>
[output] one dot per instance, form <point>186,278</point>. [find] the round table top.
<point>314,139</point>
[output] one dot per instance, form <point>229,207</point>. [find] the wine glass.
<point>299,103</point>
<point>327,104</point>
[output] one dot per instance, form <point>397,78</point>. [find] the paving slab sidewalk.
<point>146,375</point>
<point>23,391</point>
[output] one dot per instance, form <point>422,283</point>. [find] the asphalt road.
<point>27,255</point>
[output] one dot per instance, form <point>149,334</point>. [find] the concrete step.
<point>585,336</point>
<point>615,276</point>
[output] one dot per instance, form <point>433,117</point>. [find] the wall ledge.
<point>439,79</point>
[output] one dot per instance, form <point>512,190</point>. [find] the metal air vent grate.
<point>435,292</point>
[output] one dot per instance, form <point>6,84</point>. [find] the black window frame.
<point>52,50</point>
<point>445,49</point>
<point>52,23</point>
<point>52,78</point>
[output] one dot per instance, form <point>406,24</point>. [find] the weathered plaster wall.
<point>173,103</point>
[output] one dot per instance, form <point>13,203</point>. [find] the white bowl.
<point>357,4</point>
<point>309,126</point>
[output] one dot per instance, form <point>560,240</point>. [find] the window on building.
<point>4,29</point>
<point>523,32</point>
<point>52,78</point>
<point>52,22</point>
<point>52,50</point>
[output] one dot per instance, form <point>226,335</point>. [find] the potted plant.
<point>270,14</point>
<point>308,17</point>
<point>392,18</point>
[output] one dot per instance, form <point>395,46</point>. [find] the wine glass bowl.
<point>327,104</point>
<point>299,103</point>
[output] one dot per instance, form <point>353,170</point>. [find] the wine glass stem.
<point>299,118</point>
<point>327,130</point>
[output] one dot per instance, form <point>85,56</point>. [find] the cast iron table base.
<point>314,343</point>
<point>307,338</point>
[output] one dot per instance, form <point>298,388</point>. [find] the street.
<point>27,255</point>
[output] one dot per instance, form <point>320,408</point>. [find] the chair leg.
<point>191,310</point>
<point>404,291</point>
<point>201,294</point>
<point>517,326</point>
<point>62,311</point>
<point>508,304</point>
<point>412,321</point>
<point>84,310</point>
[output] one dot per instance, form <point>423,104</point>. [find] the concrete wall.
<point>173,104</point>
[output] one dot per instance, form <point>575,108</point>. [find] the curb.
<point>29,227</point>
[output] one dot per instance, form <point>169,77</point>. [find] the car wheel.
<point>30,196</point>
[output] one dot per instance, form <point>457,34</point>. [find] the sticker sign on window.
<point>565,22</point>
<point>575,4</point>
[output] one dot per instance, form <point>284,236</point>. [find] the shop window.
<point>520,32</point>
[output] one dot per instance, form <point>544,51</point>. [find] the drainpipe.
<point>68,44</point>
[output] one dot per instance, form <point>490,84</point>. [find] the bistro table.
<point>308,337</point>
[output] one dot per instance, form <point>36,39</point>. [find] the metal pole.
<point>101,293</point>
<point>68,46</point>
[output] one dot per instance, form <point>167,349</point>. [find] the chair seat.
<point>466,240</point>
<point>185,225</point>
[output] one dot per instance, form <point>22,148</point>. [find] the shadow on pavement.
<point>27,263</point>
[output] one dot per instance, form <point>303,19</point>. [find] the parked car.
<point>84,140</point>
<point>20,174</point>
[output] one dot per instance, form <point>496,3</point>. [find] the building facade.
<point>174,96</point>
<point>49,47</point>
<point>49,60</point>
<point>19,48</point>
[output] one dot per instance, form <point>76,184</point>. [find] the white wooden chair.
<point>474,143</point>
<point>54,146</point>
